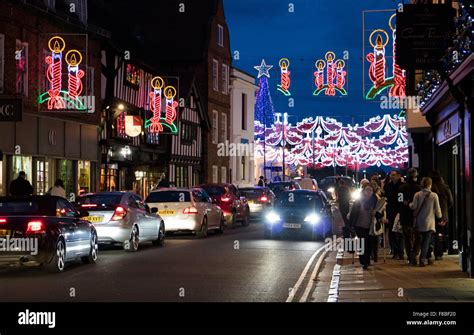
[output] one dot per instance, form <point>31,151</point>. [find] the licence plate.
<point>292,225</point>
<point>4,232</point>
<point>167,212</point>
<point>250,201</point>
<point>93,219</point>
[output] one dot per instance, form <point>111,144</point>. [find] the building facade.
<point>241,144</point>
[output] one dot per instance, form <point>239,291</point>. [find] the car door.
<point>142,218</point>
<point>152,222</point>
<point>82,232</point>
<point>67,222</point>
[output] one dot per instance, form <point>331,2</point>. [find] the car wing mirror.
<point>81,213</point>
<point>154,210</point>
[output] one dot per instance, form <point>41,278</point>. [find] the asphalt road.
<point>238,266</point>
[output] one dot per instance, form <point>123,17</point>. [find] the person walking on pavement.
<point>391,193</point>
<point>20,186</point>
<point>378,222</point>
<point>361,218</point>
<point>343,198</point>
<point>408,191</point>
<point>164,182</point>
<point>58,189</point>
<point>446,201</point>
<point>426,209</point>
<point>261,181</point>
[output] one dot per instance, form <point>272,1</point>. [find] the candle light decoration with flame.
<point>157,121</point>
<point>379,39</point>
<point>335,75</point>
<point>284,86</point>
<point>56,97</point>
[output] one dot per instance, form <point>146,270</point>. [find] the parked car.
<point>299,212</point>
<point>329,185</point>
<point>259,198</point>
<point>281,186</point>
<point>187,210</point>
<point>229,199</point>
<point>307,183</point>
<point>55,224</point>
<point>122,218</point>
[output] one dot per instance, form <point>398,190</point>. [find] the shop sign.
<point>448,129</point>
<point>133,125</point>
<point>11,110</point>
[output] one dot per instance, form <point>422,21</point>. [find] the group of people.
<point>21,187</point>
<point>413,214</point>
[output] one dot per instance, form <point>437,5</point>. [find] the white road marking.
<point>303,275</point>
<point>311,281</point>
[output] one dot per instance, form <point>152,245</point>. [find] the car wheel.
<point>94,251</point>
<point>160,241</point>
<point>58,262</point>
<point>246,221</point>
<point>221,225</point>
<point>203,232</point>
<point>132,244</point>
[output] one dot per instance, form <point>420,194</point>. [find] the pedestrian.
<point>20,186</point>
<point>408,191</point>
<point>58,189</point>
<point>361,218</point>
<point>163,182</point>
<point>446,202</point>
<point>378,222</point>
<point>391,193</point>
<point>261,181</point>
<point>343,198</point>
<point>426,209</point>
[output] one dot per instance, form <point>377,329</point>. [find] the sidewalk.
<point>396,281</point>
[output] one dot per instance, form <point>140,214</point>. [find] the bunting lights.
<point>285,81</point>
<point>379,39</point>
<point>335,75</point>
<point>157,95</point>
<point>56,97</point>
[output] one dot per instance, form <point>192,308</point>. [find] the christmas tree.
<point>264,110</point>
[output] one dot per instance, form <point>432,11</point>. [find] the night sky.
<point>266,29</point>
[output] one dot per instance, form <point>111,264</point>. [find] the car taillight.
<point>119,213</point>
<point>264,198</point>
<point>35,227</point>
<point>314,187</point>
<point>225,198</point>
<point>3,220</point>
<point>190,210</point>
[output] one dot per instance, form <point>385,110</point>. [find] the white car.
<point>186,210</point>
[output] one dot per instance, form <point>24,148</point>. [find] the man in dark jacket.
<point>20,186</point>
<point>391,193</point>
<point>408,191</point>
<point>446,201</point>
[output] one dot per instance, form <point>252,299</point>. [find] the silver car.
<point>122,218</point>
<point>187,210</point>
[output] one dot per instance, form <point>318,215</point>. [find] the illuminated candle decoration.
<point>335,76</point>
<point>284,86</point>
<point>171,104</point>
<point>75,75</point>
<point>157,84</point>
<point>20,60</point>
<point>377,71</point>
<point>56,97</point>
<point>54,72</point>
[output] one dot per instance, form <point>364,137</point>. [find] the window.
<point>215,120</point>
<point>44,82</point>
<point>243,168</point>
<point>132,76</point>
<point>50,3</point>
<point>21,61</point>
<point>188,133</point>
<point>225,79</point>
<point>64,209</point>
<point>223,127</point>
<point>220,35</point>
<point>223,174</point>
<point>244,111</point>
<point>215,75</point>
<point>90,81</point>
<point>214,174</point>
<point>80,9</point>
<point>181,176</point>
<point>2,60</point>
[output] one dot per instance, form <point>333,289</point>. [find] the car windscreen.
<point>27,207</point>
<point>169,196</point>
<point>252,193</point>
<point>301,200</point>
<point>214,190</point>
<point>99,201</point>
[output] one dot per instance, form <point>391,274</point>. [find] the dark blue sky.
<point>265,29</point>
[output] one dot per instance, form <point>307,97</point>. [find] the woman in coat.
<point>426,209</point>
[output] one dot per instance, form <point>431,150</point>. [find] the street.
<point>238,266</point>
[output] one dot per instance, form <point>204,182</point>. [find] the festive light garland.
<point>334,71</point>
<point>284,86</point>
<point>323,142</point>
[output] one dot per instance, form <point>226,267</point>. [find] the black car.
<point>45,230</point>
<point>281,186</point>
<point>300,212</point>
<point>259,199</point>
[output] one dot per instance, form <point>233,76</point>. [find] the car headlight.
<point>355,195</point>
<point>273,217</point>
<point>312,218</point>
<point>331,190</point>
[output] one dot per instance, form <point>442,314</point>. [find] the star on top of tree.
<point>263,69</point>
